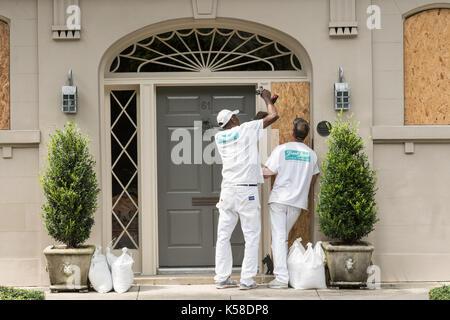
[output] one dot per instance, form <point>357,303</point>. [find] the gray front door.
<point>187,193</point>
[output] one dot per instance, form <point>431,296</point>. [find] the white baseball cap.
<point>224,116</point>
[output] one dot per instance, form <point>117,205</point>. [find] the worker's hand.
<point>266,95</point>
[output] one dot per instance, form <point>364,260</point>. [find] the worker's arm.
<point>267,173</point>
<point>272,115</point>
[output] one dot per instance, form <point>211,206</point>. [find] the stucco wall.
<point>20,224</point>
<point>411,239</point>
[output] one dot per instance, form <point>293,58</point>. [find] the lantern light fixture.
<point>69,103</point>
<point>341,93</point>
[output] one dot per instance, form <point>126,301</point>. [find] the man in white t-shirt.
<point>239,199</point>
<point>295,165</point>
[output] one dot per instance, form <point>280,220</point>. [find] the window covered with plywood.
<point>4,76</point>
<point>427,68</point>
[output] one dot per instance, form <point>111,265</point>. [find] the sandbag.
<point>122,272</point>
<point>296,246</point>
<point>99,274</point>
<point>110,258</point>
<point>306,268</point>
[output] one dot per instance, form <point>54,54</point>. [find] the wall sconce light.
<point>341,93</point>
<point>69,96</point>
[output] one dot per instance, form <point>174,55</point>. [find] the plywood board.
<point>4,76</point>
<point>427,68</point>
<point>294,102</point>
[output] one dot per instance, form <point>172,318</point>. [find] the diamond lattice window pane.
<point>124,169</point>
<point>118,100</point>
<point>133,230</point>
<point>123,130</point>
<point>125,209</point>
<point>125,241</point>
<point>116,228</point>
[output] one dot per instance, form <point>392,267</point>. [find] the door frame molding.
<point>147,150</point>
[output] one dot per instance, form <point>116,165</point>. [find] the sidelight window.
<point>124,169</point>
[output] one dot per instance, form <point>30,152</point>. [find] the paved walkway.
<point>397,291</point>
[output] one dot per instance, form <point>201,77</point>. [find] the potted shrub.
<point>70,188</point>
<point>346,205</point>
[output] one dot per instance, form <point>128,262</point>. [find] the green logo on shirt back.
<point>302,156</point>
<point>227,137</point>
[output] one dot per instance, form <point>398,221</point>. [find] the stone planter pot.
<point>68,269</point>
<point>347,264</point>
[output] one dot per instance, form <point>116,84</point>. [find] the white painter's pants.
<point>282,219</point>
<point>238,203</point>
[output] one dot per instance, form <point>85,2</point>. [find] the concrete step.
<point>191,279</point>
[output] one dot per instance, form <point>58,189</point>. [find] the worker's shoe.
<point>275,284</point>
<point>229,283</point>
<point>243,286</point>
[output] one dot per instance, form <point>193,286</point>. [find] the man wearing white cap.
<point>239,199</point>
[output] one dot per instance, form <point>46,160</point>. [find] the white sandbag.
<point>297,245</point>
<point>99,274</point>
<point>306,268</point>
<point>319,251</point>
<point>122,272</point>
<point>110,258</point>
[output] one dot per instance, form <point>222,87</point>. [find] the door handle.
<point>205,201</point>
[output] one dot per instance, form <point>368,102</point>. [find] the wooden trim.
<point>149,179</point>
<point>177,79</point>
<point>398,134</point>
<point>60,31</point>
<point>343,18</point>
<point>4,76</point>
<point>105,160</point>
<point>204,9</point>
<point>19,137</point>
<point>415,10</point>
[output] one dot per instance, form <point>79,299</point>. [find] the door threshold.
<point>191,270</point>
<point>191,279</point>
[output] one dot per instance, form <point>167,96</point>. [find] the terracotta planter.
<point>347,264</point>
<point>68,269</point>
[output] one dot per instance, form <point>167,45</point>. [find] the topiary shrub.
<point>70,187</point>
<point>346,203</point>
<point>441,293</point>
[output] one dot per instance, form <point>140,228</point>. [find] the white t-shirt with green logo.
<point>295,164</point>
<point>238,148</point>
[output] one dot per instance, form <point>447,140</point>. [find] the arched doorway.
<point>154,81</point>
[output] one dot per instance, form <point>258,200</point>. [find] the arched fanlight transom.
<point>205,50</point>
